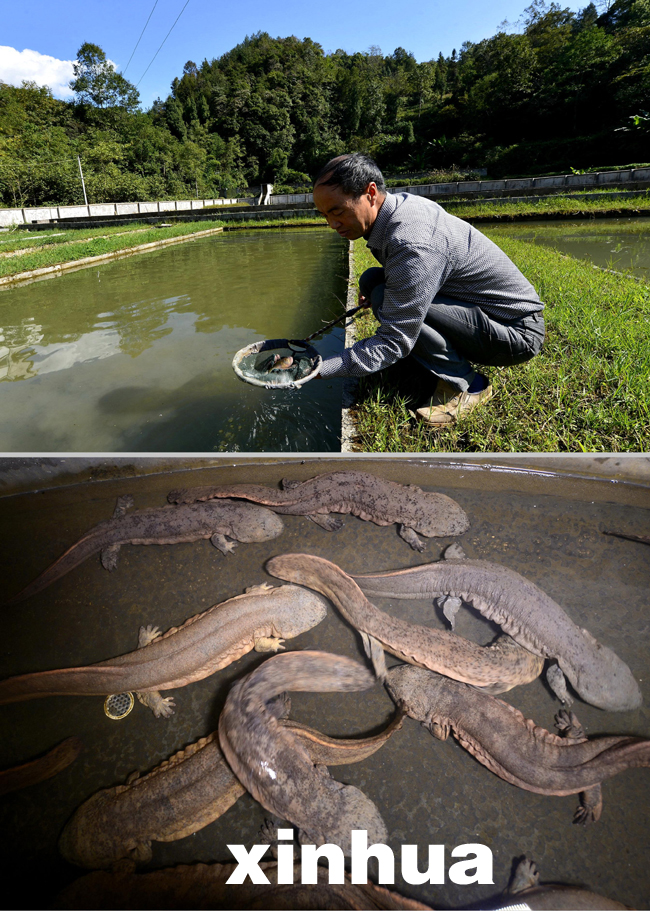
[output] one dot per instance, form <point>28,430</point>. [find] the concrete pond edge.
<point>60,268</point>
<point>350,384</point>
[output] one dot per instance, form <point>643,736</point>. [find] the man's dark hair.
<point>352,173</point>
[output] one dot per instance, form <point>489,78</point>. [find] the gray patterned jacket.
<point>425,252</point>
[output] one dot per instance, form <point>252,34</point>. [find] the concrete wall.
<point>110,209</point>
<point>531,185</point>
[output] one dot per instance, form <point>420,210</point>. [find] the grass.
<point>587,391</point>
<point>50,248</point>
<point>550,207</point>
<point>591,228</point>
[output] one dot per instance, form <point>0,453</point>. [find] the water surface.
<point>136,355</point>
<point>622,244</point>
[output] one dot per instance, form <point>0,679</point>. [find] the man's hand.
<point>363,301</point>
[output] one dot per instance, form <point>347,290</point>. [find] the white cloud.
<point>15,66</point>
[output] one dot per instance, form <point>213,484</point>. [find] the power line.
<point>140,38</point>
<point>165,39</point>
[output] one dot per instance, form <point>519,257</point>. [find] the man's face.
<point>349,217</point>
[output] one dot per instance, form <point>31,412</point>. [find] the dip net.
<point>277,363</point>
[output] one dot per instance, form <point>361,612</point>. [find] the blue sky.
<point>53,32</point>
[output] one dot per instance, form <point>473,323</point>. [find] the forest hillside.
<point>562,91</point>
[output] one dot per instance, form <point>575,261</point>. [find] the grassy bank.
<point>550,207</point>
<point>23,252</point>
<point>587,391</point>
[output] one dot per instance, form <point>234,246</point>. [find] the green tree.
<point>96,81</point>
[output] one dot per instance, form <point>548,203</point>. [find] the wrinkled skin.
<point>276,768</point>
<point>261,618</point>
<point>527,614</point>
<point>182,795</point>
<point>165,525</point>
<point>358,493</point>
<point>497,667</point>
<point>511,746</point>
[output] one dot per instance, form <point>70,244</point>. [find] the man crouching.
<point>446,295</point>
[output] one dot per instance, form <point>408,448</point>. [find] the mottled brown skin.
<point>204,886</point>
<point>243,522</point>
<point>274,363</point>
<point>276,767</point>
<point>513,747</point>
<point>526,613</point>
<point>349,492</point>
<point>282,363</point>
<point>37,770</point>
<point>182,795</point>
<point>498,667</point>
<point>207,642</point>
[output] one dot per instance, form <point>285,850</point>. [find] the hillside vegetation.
<point>559,91</point>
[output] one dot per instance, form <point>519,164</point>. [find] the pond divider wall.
<point>350,384</point>
<point>53,271</point>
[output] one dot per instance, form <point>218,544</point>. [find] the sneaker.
<point>447,403</point>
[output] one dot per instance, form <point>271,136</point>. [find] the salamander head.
<point>256,523</point>
<point>305,609</point>
<point>439,516</point>
<point>605,681</point>
<point>414,689</point>
<point>89,840</point>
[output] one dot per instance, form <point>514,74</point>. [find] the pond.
<point>546,526</point>
<point>622,244</point>
<point>136,355</point>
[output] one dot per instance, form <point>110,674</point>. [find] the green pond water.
<point>136,355</point>
<point>622,244</point>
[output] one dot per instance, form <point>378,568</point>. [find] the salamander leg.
<point>268,644</point>
<point>454,552</point>
<point>439,729</point>
<point>450,607</point>
<point>410,536</point>
<point>569,727</point>
<point>109,556</point>
<point>557,682</point>
<point>222,543</point>
<point>123,503</point>
<point>328,521</point>
<point>375,652</point>
<point>590,808</point>
<point>288,484</point>
<point>526,876</point>
<point>147,634</point>
<point>161,706</point>
<point>269,834</point>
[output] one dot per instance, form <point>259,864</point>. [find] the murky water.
<point>136,355</point>
<point>621,244</point>
<point>429,793</point>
